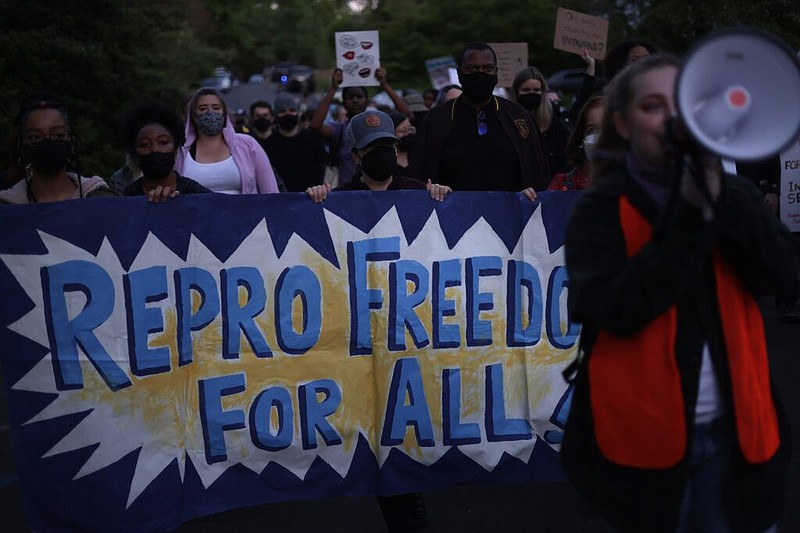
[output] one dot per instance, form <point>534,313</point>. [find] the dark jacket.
<point>610,292</point>
<point>518,125</point>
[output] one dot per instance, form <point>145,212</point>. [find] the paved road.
<point>544,507</point>
<point>241,96</point>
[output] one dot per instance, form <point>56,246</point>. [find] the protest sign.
<point>439,71</point>
<point>576,32</point>
<point>224,351</point>
<point>790,187</point>
<point>511,58</point>
<point>358,55</point>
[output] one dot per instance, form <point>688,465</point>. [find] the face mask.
<point>406,143</point>
<point>262,124</point>
<point>156,165</point>
<point>48,156</point>
<point>588,144</point>
<point>478,87</point>
<point>288,122</point>
<point>530,101</point>
<point>211,123</point>
<point>380,163</point>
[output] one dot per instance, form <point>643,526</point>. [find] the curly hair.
<point>151,112</point>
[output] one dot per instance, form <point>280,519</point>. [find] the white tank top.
<point>222,176</point>
<point>709,402</point>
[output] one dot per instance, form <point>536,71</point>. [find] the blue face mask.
<point>211,123</point>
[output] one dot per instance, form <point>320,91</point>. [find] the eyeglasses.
<point>483,129</point>
<point>473,69</point>
<point>36,136</point>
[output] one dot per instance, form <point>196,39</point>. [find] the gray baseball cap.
<point>284,101</point>
<point>369,126</point>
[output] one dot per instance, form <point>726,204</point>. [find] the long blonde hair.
<point>543,114</point>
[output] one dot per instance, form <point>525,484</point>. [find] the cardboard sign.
<point>439,71</point>
<point>576,32</point>
<point>790,187</point>
<point>511,58</point>
<point>358,55</point>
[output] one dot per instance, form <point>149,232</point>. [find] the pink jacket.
<point>251,160</point>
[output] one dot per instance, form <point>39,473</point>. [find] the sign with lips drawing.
<point>358,55</point>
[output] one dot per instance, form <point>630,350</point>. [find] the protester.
<point>625,53</point>
<point>766,174</point>
<point>579,149</point>
<point>371,134</point>
<point>447,93</point>
<point>298,154</point>
<point>45,148</point>
<point>152,133</point>
<point>585,91</point>
<point>240,122</point>
<point>216,156</point>
<point>354,102</point>
<point>673,424</point>
<point>429,97</point>
<point>405,133</point>
<point>261,120</point>
<point>529,89</point>
<point>124,175</point>
<point>479,142</point>
<point>417,106</point>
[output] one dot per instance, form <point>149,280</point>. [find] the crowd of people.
<point>659,251</point>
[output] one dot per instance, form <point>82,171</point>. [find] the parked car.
<point>221,79</point>
<point>300,79</point>
<point>280,71</point>
<point>256,78</point>
<point>217,82</point>
<point>569,80</point>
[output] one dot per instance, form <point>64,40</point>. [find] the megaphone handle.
<point>700,175</point>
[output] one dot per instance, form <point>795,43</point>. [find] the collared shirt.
<point>470,161</point>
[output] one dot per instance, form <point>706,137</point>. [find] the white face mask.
<point>588,144</point>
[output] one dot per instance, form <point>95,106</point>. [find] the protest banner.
<point>358,54</point>
<point>576,32</point>
<point>219,351</point>
<point>790,187</point>
<point>440,71</point>
<point>511,58</point>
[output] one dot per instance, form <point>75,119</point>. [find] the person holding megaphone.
<point>674,423</point>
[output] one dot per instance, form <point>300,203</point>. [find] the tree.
<point>100,61</point>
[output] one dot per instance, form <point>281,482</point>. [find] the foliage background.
<point>104,56</point>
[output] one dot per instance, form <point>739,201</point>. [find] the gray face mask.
<point>211,123</point>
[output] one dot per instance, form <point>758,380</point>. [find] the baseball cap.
<point>415,103</point>
<point>284,101</point>
<point>369,126</point>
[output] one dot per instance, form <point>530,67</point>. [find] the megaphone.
<point>738,94</point>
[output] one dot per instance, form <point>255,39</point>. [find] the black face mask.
<point>48,156</point>
<point>406,143</point>
<point>380,163</point>
<point>288,122</point>
<point>262,124</point>
<point>156,165</point>
<point>530,101</point>
<point>478,87</point>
